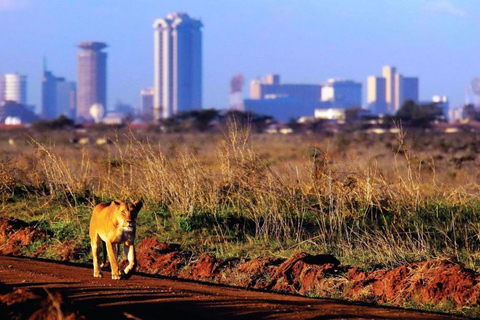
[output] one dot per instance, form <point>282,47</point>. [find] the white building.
<point>147,95</point>
<point>178,65</point>
<point>442,102</point>
<point>388,73</point>
<point>13,87</point>
<point>330,114</point>
<point>342,93</point>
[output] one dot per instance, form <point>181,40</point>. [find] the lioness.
<point>114,224</point>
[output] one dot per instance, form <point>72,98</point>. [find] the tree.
<point>62,122</point>
<point>417,115</point>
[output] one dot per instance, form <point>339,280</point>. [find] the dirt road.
<point>145,297</point>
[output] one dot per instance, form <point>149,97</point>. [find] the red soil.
<point>430,283</point>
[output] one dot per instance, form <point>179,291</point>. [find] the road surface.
<point>148,297</point>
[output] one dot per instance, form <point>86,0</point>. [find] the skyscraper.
<point>389,75</point>
<point>376,95</point>
<point>178,65</point>
<point>14,88</point>
<point>58,96</point>
<point>393,89</point>
<point>92,78</point>
<point>2,91</point>
<point>408,90</point>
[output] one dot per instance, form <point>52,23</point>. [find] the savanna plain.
<point>387,218</point>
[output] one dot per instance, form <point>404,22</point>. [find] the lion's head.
<point>126,214</point>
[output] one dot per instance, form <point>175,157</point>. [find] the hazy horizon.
<point>302,41</point>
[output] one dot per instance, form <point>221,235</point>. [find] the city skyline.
<point>303,41</point>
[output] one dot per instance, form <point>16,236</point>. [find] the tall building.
<point>92,78</point>
<point>408,90</point>
<point>397,88</point>
<point>58,96</point>
<point>49,95</point>
<point>342,94</point>
<point>376,95</point>
<point>147,102</point>
<point>66,98</point>
<point>2,91</point>
<point>13,87</point>
<point>389,75</point>
<point>178,65</point>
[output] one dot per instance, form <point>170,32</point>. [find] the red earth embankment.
<point>427,283</point>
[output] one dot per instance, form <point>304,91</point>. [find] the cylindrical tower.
<point>92,78</point>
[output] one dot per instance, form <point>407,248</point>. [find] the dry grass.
<point>367,199</point>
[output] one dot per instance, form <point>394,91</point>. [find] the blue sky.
<point>305,41</point>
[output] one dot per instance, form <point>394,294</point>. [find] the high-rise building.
<point>389,75</point>
<point>376,93</point>
<point>397,88</point>
<point>66,98</point>
<point>13,88</point>
<point>147,102</point>
<point>408,90</point>
<point>178,65</point>
<point>58,96</point>
<point>342,94</point>
<point>92,78</point>
<point>49,95</point>
<point>2,91</point>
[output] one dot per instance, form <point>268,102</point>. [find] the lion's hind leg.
<point>95,243</point>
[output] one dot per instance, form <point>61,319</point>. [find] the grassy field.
<point>370,200</point>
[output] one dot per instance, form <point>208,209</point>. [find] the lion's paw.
<point>98,275</point>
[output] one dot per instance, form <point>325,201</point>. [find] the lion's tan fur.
<point>114,224</point>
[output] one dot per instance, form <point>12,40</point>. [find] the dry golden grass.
<point>369,199</point>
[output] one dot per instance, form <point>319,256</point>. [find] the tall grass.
<point>387,204</point>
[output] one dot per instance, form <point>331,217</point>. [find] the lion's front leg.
<point>112,257</point>
<point>131,259</point>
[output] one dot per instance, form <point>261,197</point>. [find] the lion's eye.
<point>124,212</point>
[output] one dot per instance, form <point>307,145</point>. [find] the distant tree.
<point>295,125</point>
<point>62,122</point>
<point>471,113</point>
<point>195,120</point>
<point>258,123</point>
<point>417,115</point>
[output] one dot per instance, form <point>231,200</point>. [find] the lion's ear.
<point>116,202</point>
<point>138,205</point>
